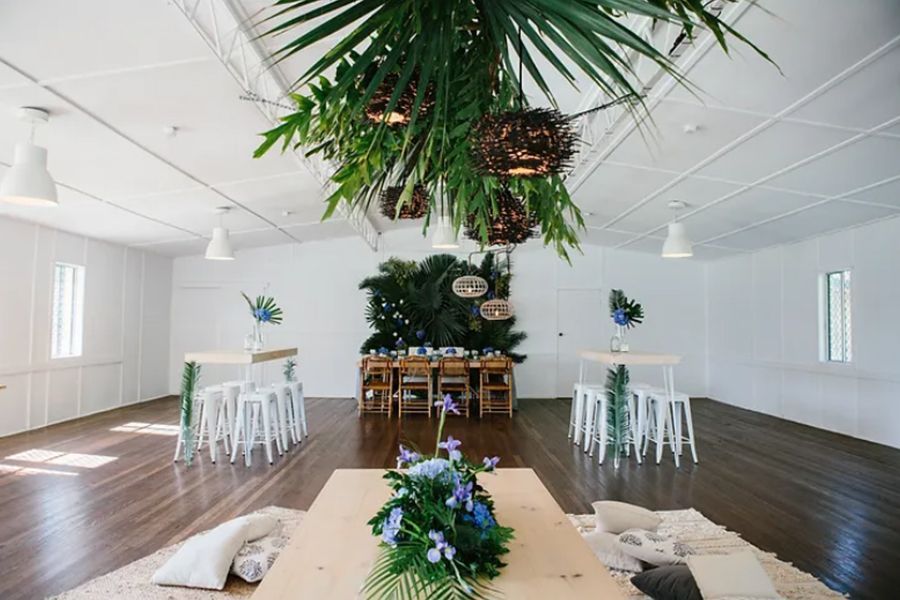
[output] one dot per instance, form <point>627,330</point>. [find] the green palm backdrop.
<point>412,303</point>
<point>464,56</point>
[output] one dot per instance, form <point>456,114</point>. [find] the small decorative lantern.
<point>512,224</point>
<point>414,208</point>
<point>534,142</point>
<point>497,309</point>
<point>401,113</point>
<point>470,286</point>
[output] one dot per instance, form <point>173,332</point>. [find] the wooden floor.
<point>80,499</point>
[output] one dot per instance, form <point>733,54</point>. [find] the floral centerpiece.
<point>625,313</point>
<point>439,533</point>
<point>263,310</point>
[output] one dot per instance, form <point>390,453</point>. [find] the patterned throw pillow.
<point>654,548</point>
<point>255,558</point>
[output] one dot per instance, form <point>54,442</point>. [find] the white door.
<point>579,318</point>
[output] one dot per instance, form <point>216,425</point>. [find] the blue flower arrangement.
<point>439,533</point>
<point>624,312</point>
<point>264,309</point>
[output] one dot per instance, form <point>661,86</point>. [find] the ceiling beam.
<point>229,33</point>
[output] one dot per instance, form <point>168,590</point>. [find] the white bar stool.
<point>298,407</point>
<point>600,433</point>
<point>658,427</point>
<point>681,412</point>
<point>251,407</point>
<point>214,420</point>
<point>577,411</point>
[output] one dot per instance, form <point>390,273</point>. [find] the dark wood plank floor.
<point>828,503</point>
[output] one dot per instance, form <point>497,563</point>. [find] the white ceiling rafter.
<point>227,30</point>
<point>601,133</point>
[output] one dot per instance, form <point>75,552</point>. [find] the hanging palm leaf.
<point>617,416</point>
<point>431,69</point>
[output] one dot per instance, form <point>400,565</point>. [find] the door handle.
<point>561,334</point>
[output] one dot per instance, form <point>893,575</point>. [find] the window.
<point>837,332</point>
<point>67,323</point>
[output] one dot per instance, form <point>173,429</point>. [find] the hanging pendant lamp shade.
<point>512,224</point>
<point>28,182</point>
<point>470,286</point>
<point>498,309</point>
<point>414,208</point>
<point>219,247</point>
<point>677,244</point>
<point>401,112</point>
<point>535,142</point>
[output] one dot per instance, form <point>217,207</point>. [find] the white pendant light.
<point>677,244</point>
<point>219,247</point>
<point>444,234</point>
<point>28,182</point>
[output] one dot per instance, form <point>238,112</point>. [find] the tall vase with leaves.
<point>189,379</point>
<point>626,314</point>
<point>263,310</point>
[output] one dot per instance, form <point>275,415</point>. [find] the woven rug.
<point>133,581</point>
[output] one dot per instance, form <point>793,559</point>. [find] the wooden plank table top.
<point>332,549</point>
<point>630,358</point>
<point>238,357</point>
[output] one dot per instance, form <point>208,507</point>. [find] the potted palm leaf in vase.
<point>263,310</point>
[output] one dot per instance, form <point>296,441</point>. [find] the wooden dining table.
<point>332,549</point>
<point>474,363</point>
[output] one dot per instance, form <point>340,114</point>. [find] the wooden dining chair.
<point>376,385</point>
<point>415,386</point>
<point>495,386</point>
<point>453,379</point>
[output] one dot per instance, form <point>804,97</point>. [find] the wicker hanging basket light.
<point>470,286</point>
<point>414,208</point>
<point>498,309</point>
<point>401,113</point>
<point>534,142</point>
<point>512,224</point>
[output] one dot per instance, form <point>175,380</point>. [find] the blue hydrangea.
<point>433,468</point>
<point>620,317</point>
<point>391,527</point>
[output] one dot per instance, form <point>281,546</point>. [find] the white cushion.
<point>616,517</point>
<point>606,547</point>
<point>653,548</point>
<point>729,576</point>
<point>255,558</point>
<point>204,560</point>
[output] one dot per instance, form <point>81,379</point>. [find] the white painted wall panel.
<point>861,398</point>
<point>43,391</point>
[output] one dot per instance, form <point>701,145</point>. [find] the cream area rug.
<point>133,581</point>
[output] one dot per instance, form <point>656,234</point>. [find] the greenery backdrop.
<point>412,303</point>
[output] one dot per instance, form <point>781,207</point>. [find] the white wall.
<point>317,286</point>
<point>126,327</point>
<point>764,333</point>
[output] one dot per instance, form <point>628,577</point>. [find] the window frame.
<point>845,278</point>
<point>75,346</point>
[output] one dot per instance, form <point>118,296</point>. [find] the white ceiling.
<point>775,158</point>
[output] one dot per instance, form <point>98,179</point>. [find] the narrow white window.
<point>67,325</point>
<point>837,331</point>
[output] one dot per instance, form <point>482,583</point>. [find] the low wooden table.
<point>332,550</point>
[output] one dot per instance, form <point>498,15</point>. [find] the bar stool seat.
<point>253,407</point>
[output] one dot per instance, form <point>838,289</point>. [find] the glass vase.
<point>257,337</point>
<point>618,343</point>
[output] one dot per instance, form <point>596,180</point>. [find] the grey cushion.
<point>668,583</point>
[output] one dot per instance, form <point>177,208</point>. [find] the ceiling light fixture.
<point>28,182</point>
<point>219,247</point>
<point>677,244</point>
<point>444,237</point>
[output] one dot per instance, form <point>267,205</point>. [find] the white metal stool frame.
<point>680,414</point>
<point>666,361</point>
<point>577,411</point>
<point>245,431</point>
<point>285,418</point>
<point>658,427</point>
<point>213,421</point>
<point>298,406</point>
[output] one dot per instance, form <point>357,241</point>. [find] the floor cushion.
<point>616,517</point>
<point>726,576</point>
<point>605,546</point>
<point>674,582</point>
<point>654,548</point>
